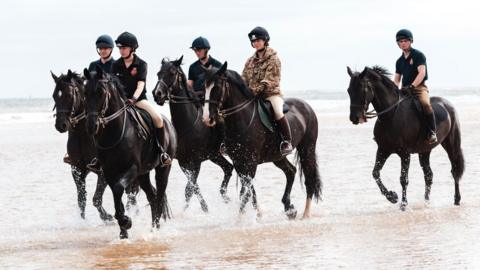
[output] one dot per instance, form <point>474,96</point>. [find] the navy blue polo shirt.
<point>107,67</point>
<point>196,72</point>
<point>408,67</point>
<point>130,76</point>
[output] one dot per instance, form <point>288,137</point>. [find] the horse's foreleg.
<point>79,179</point>
<point>245,191</point>
<point>161,181</point>
<point>98,198</point>
<point>192,186</point>
<point>290,172</point>
<point>227,171</point>
<point>424,159</point>
<point>132,190</point>
<point>118,188</point>
<point>405,164</point>
<point>379,162</point>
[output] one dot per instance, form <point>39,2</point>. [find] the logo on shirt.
<point>134,71</point>
<point>411,61</point>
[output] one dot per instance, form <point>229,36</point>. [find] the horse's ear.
<point>55,78</point>
<point>178,62</point>
<point>99,71</point>
<point>69,75</point>
<point>349,70</point>
<point>87,74</point>
<point>222,69</point>
<point>163,61</point>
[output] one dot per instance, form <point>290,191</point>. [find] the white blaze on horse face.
<point>206,113</point>
<point>59,94</point>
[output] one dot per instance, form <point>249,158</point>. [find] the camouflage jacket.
<point>262,75</point>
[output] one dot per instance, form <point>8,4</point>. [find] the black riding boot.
<point>164,157</point>
<point>432,135</point>
<point>94,166</point>
<point>286,145</point>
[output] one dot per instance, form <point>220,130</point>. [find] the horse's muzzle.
<point>209,121</point>
<point>61,125</point>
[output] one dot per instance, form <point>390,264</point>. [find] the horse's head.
<point>361,93</point>
<point>169,79</point>
<point>68,98</point>
<point>215,92</point>
<point>97,95</point>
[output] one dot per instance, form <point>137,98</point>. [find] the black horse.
<point>400,128</point>
<point>124,155</point>
<point>196,142</point>
<point>249,143</point>
<point>70,116</point>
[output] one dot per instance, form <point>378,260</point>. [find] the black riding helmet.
<point>259,33</point>
<point>200,43</point>
<point>104,41</point>
<point>404,34</point>
<point>127,39</point>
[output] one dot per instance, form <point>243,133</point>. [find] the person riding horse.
<point>196,77</point>
<point>104,45</point>
<point>262,75</point>
<point>411,68</point>
<point>132,72</point>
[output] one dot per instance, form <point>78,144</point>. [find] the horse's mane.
<point>384,73</point>
<point>237,80</point>
<point>118,85</point>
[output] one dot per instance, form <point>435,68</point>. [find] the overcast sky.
<point>315,40</point>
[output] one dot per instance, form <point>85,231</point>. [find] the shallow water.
<point>353,227</point>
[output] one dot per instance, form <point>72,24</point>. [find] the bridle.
<point>177,83</point>
<point>102,120</point>
<point>77,101</point>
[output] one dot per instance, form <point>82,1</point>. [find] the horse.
<point>70,116</point>
<point>401,130</point>
<point>249,143</point>
<point>196,142</point>
<point>125,150</point>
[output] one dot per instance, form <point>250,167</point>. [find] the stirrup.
<point>165,159</point>
<point>222,149</point>
<point>286,148</point>
<point>94,166</point>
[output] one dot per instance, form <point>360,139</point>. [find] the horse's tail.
<point>452,145</point>
<point>306,159</point>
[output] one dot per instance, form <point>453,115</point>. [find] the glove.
<point>131,101</point>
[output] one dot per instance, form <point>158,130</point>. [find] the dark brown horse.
<point>196,142</point>
<point>399,129</point>
<point>123,152</point>
<point>70,116</point>
<point>249,143</point>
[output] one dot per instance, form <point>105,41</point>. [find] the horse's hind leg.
<point>144,181</point>
<point>192,186</point>
<point>79,179</point>
<point>290,172</point>
<point>98,198</point>
<point>405,164</point>
<point>381,157</point>
<point>227,171</point>
<point>424,159</point>
<point>161,181</point>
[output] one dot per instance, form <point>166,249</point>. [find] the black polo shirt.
<point>196,73</point>
<point>130,76</point>
<point>408,67</point>
<point>107,67</point>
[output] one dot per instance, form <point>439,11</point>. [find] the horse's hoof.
<point>225,198</point>
<point>204,207</point>
<point>403,206</point>
<point>125,223</point>
<point>392,196</point>
<point>82,215</point>
<point>291,214</point>
<point>457,203</point>
<point>123,234</point>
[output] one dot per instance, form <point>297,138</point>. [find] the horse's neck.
<point>114,105</point>
<point>183,114</point>
<point>241,119</point>
<point>384,97</point>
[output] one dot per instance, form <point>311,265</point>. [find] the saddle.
<point>143,122</point>
<point>265,111</point>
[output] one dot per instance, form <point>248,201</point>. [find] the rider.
<point>262,75</point>
<point>104,45</point>
<point>132,72</point>
<point>196,79</point>
<point>411,67</point>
